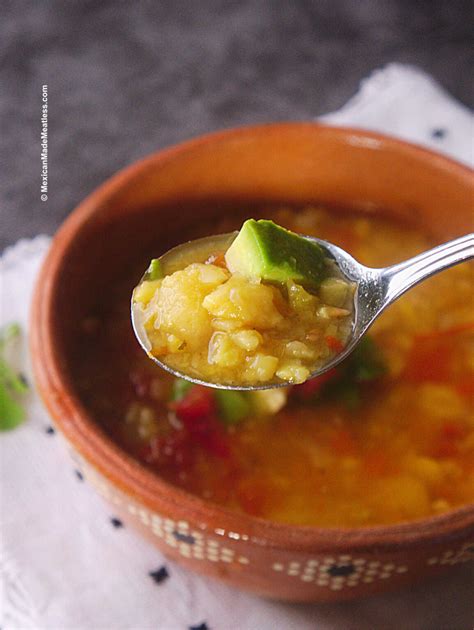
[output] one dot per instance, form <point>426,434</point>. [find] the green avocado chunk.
<point>155,270</point>
<point>232,406</point>
<point>267,251</point>
<point>180,388</point>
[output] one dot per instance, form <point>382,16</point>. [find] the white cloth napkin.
<point>404,101</point>
<point>65,563</point>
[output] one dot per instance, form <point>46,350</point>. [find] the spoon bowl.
<point>375,289</point>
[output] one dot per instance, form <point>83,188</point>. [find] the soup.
<point>386,437</point>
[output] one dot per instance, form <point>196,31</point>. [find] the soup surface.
<point>388,436</point>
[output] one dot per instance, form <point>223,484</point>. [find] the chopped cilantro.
<point>345,383</point>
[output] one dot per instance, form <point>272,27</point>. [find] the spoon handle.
<point>399,278</point>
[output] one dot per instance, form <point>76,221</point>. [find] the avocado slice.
<point>155,270</point>
<point>232,406</point>
<point>265,250</point>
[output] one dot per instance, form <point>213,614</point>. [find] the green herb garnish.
<point>346,383</point>
<point>364,365</point>
<point>12,385</point>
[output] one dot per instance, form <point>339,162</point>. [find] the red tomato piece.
<point>198,412</point>
<point>217,259</point>
<point>198,403</point>
<point>215,442</point>
<point>333,343</point>
<point>311,387</point>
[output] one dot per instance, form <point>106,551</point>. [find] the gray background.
<point>126,78</point>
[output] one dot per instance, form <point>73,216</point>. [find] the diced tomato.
<point>215,442</point>
<point>217,259</point>
<point>333,343</point>
<point>310,388</point>
<point>197,404</point>
<point>198,412</point>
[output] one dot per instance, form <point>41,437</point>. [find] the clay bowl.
<point>154,204</point>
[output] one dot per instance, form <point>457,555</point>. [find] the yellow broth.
<point>400,447</point>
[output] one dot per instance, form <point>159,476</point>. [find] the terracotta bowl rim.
<point>141,484</point>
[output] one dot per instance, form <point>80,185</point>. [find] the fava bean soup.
<point>387,436</point>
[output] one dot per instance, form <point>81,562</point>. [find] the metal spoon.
<point>375,289</point>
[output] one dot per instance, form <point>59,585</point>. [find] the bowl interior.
<point>181,193</point>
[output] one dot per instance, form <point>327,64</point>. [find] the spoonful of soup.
<point>265,307</point>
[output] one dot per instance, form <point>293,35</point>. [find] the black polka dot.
<point>438,133</point>
<point>200,626</point>
<point>160,575</point>
<point>341,570</point>
<point>116,522</point>
<point>186,538</point>
<point>50,430</point>
<point>79,475</point>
